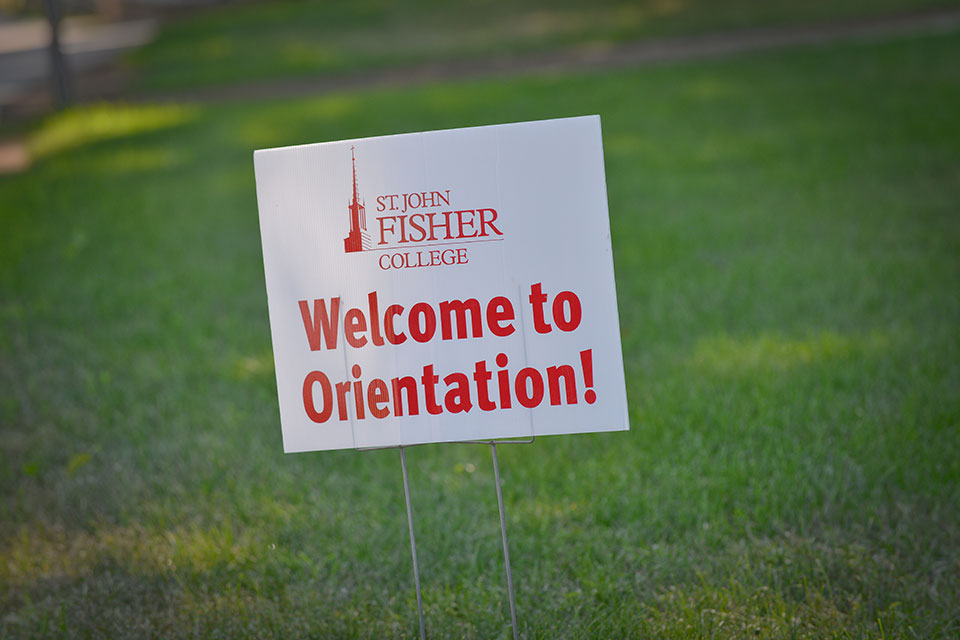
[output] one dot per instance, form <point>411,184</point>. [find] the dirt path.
<point>645,52</point>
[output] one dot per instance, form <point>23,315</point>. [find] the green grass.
<point>301,38</point>
<point>787,247</point>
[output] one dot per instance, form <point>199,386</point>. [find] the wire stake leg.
<point>506,548</point>
<point>413,541</point>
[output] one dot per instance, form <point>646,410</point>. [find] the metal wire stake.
<point>413,541</point>
<point>506,548</point>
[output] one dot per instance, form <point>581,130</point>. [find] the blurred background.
<point>108,49</point>
<point>784,190</point>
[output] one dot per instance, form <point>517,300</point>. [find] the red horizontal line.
<point>433,244</point>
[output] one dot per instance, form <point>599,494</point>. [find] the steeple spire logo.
<point>358,239</point>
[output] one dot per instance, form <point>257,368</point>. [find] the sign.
<point>442,286</point>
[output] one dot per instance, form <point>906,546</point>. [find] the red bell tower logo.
<point>358,239</point>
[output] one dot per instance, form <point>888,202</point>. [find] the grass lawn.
<point>787,246</point>
<point>296,37</point>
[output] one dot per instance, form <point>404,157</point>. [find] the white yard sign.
<point>442,286</point>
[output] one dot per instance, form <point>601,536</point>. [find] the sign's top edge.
<point>417,133</point>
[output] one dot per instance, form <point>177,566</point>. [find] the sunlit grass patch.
<point>141,159</point>
<point>734,611</point>
<point>261,133</point>
<point>84,125</point>
<point>770,352</point>
<point>52,553</point>
<point>249,367</point>
<point>784,587</point>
